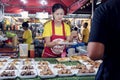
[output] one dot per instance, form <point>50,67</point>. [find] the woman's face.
<point>58,14</point>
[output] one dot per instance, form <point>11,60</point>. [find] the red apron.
<point>47,53</point>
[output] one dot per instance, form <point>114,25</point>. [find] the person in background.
<point>27,35</point>
<point>9,40</point>
<point>56,31</point>
<point>104,40</point>
<point>85,33</point>
<point>74,35</point>
<point>75,39</point>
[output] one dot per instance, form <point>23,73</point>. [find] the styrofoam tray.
<point>72,73</point>
<point>9,77</point>
<point>28,59</point>
<point>84,62</point>
<point>15,60</point>
<point>42,63</point>
<point>2,64</point>
<point>86,74</point>
<point>27,63</point>
<point>21,67</point>
<point>59,67</point>
<point>28,76</point>
<point>4,60</point>
<point>63,59</point>
<point>47,76</point>
<point>8,66</point>
<point>40,67</point>
<point>14,63</point>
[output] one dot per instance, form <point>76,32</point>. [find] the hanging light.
<point>98,2</point>
<point>24,14</point>
<point>42,15</point>
<point>24,1</point>
<point>43,2</point>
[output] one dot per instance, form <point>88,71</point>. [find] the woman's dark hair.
<point>25,24</point>
<point>57,6</point>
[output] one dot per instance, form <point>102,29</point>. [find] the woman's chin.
<point>58,20</point>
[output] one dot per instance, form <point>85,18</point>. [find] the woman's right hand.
<point>56,42</point>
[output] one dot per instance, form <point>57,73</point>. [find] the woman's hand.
<point>56,42</point>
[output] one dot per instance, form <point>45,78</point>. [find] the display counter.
<point>51,61</point>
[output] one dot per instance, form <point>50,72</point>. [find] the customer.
<point>75,35</point>
<point>104,40</point>
<point>85,33</point>
<point>27,35</point>
<point>75,39</point>
<point>54,32</point>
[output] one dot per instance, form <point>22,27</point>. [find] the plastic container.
<point>23,50</point>
<point>32,51</point>
<point>71,52</point>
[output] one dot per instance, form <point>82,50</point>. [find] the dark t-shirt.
<point>106,29</point>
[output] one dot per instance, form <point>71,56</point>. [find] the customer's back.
<point>104,40</point>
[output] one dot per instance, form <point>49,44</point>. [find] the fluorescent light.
<point>24,14</point>
<point>98,2</point>
<point>41,15</point>
<point>24,1</point>
<point>43,2</point>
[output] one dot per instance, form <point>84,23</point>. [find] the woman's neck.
<point>57,23</point>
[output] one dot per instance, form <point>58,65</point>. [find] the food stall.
<point>69,68</point>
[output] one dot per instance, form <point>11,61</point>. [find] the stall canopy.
<point>33,6</point>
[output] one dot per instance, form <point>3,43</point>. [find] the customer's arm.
<point>95,50</point>
<point>98,34</point>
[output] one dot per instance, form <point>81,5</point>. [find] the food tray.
<point>2,64</point>
<point>84,62</point>
<point>40,67</point>
<point>75,58</point>
<point>27,76</point>
<point>14,63</point>
<point>22,67</point>
<point>3,60</point>
<point>9,77</point>
<point>8,67</point>
<point>58,66</point>
<point>24,62</point>
<point>15,60</point>
<point>86,74</point>
<point>47,76</point>
<point>28,59</point>
<point>42,63</point>
<point>63,59</point>
<point>71,74</point>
